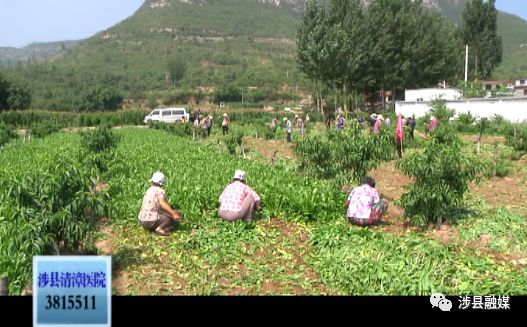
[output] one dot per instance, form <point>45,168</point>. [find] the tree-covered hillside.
<point>225,49</point>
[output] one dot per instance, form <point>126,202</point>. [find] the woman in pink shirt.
<point>238,200</point>
<point>365,207</point>
<point>378,124</point>
<point>434,123</point>
<point>156,214</point>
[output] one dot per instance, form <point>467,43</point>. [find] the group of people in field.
<point>299,123</point>
<point>204,123</point>
<point>377,121</point>
<point>239,201</point>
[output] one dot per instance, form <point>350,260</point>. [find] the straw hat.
<point>285,118</point>
<point>225,114</point>
<point>380,117</point>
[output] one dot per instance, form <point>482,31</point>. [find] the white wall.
<point>512,109</point>
<point>431,94</point>
<point>517,82</point>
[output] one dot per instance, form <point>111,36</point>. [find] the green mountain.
<point>232,46</point>
<point>247,44</point>
<point>34,52</point>
<point>513,31</point>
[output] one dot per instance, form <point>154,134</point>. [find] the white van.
<point>167,115</point>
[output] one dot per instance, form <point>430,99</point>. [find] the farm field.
<point>300,244</point>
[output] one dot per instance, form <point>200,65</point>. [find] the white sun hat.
<point>158,178</point>
<point>240,174</point>
<point>225,114</point>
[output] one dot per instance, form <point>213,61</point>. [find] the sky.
<point>25,21</point>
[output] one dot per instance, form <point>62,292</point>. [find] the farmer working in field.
<point>238,200</point>
<point>300,125</point>
<point>289,127</point>
<point>225,124</point>
<point>378,125</point>
<point>274,124</point>
<point>434,123</point>
<point>209,124</point>
<point>365,207</point>
<point>156,214</point>
<point>410,121</point>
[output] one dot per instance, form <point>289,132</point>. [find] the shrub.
<point>346,156</point>
<point>517,139</point>
<point>6,134</point>
<point>43,129</point>
<point>98,147</point>
<point>232,141</point>
<point>441,174</point>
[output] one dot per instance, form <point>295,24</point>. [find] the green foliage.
<point>6,133</point>
<point>441,111</point>
<point>179,129</point>
<point>43,129</point>
<point>506,230</point>
<point>13,95</point>
<point>98,147</point>
<point>176,68</point>
<point>504,168</point>
<point>362,261</point>
<point>472,89</point>
<point>234,140</point>
<point>228,93</point>
<point>46,202</point>
<point>441,173</point>
<point>31,118</point>
<point>240,42</point>
<point>466,118</point>
<point>480,32</point>
<point>517,139</point>
<point>99,98</point>
<point>182,160</point>
<point>346,156</point>
<point>347,46</point>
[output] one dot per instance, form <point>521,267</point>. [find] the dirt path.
<point>267,148</point>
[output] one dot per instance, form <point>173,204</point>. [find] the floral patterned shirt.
<point>232,197</point>
<point>151,204</point>
<point>362,198</point>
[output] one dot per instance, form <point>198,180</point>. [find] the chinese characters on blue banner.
<point>72,291</point>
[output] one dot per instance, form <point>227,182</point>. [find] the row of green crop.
<point>31,118</point>
<point>350,260</point>
<point>368,262</point>
<point>197,175</point>
<point>47,203</point>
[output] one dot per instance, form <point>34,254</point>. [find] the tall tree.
<point>392,26</point>
<point>346,46</point>
<point>312,57</point>
<point>480,32</point>
<point>436,52</point>
<point>176,68</point>
<point>13,95</point>
<point>4,93</point>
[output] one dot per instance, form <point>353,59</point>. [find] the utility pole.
<point>466,64</point>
